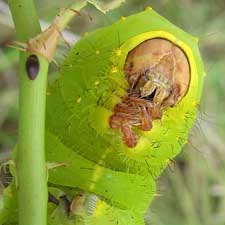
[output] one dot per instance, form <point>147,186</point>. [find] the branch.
<point>30,162</point>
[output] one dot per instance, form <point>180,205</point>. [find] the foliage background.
<point>192,190</point>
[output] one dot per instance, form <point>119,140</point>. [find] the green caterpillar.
<point>81,103</point>
<point>112,160</point>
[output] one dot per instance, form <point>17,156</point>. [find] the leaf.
<point>106,5</point>
<point>8,205</point>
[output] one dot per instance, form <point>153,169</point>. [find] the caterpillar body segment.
<point>106,183</point>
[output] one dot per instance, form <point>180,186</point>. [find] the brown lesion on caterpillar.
<point>158,75</point>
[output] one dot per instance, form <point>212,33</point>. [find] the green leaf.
<point>8,205</point>
<point>106,5</point>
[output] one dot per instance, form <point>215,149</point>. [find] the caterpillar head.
<point>155,67</point>
<point>158,75</point>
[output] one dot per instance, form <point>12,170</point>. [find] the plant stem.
<point>32,181</point>
<point>67,14</point>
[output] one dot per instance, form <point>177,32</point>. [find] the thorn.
<point>65,41</point>
<point>75,11</point>
<point>90,17</point>
<point>18,45</point>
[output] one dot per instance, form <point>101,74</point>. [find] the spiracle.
<point>158,74</point>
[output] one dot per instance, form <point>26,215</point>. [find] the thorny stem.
<point>30,162</point>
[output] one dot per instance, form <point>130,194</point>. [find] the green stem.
<point>67,14</point>
<point>32,190</point>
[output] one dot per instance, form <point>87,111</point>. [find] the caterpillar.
<point>158,75</point>
<point>120,111</point>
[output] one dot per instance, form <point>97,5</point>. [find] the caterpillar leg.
<point>132,111</point>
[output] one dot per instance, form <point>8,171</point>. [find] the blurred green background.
<point>192,190</point>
